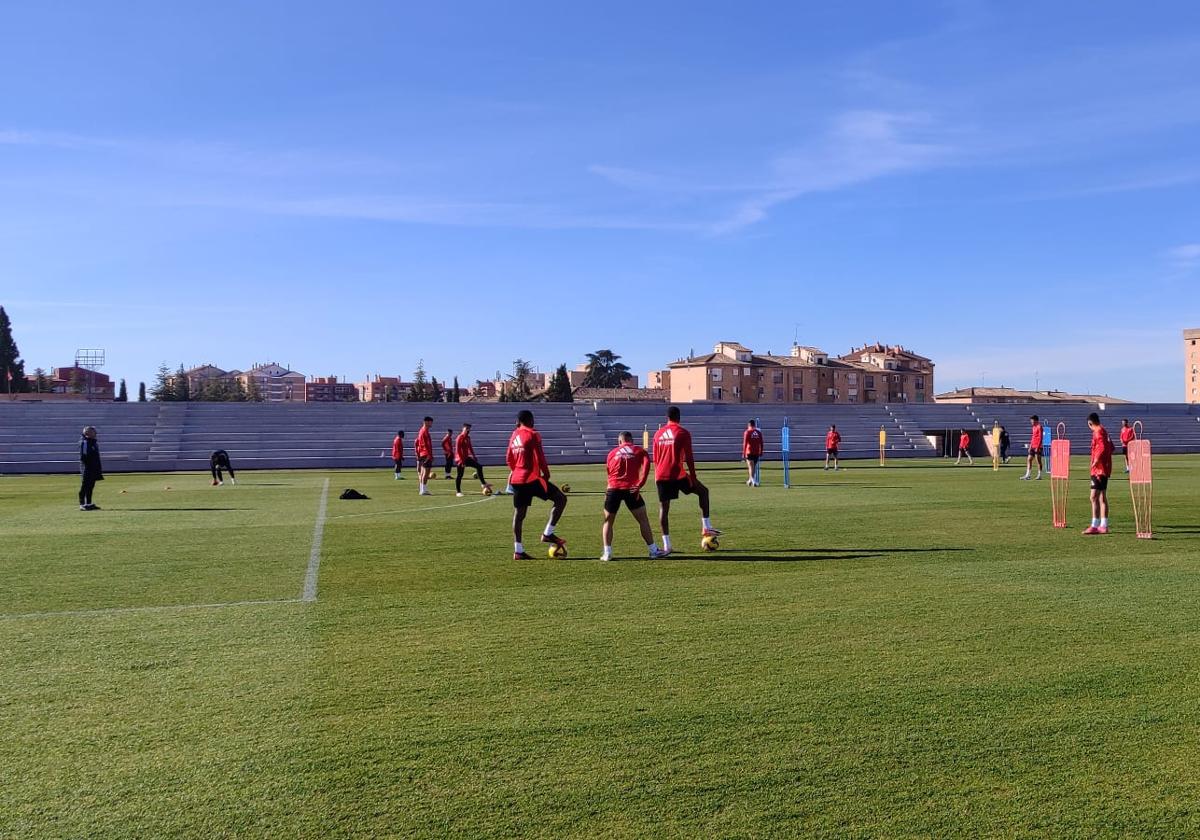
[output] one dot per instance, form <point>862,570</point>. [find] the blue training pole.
<point>758,466</point>
<point>786,446</point>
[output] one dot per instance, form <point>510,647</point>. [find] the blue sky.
<point>1012,189</point>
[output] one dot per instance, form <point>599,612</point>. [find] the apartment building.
<point>733,373</point>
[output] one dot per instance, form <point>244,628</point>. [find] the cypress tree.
<point>12,368</point>
<point>122,393</point>
<point>141,392</point>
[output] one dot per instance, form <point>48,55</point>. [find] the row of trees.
<point>175,387</point>
<point>604,370</point>
<point>426,388</point>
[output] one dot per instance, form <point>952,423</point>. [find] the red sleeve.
<point>746,442</point>
<point>510,458</point>
<point>645,469</point>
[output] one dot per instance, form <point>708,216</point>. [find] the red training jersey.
<point>1102,450</point>
<point>628,467</point>
<point>424,445</point>
<point>672,452</point>
<point>1035,437</point>
<point>525,456</point>
<point>463,449</point>
<point>832,439</point>
<point>752,443</point>
<point>448,445</point>
<point>398,449</point>
<point>1126,435</point>
<point>964,440</point>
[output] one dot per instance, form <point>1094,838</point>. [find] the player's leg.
<point>606,531</point>
<point>478,473</point>
<point>835,460</point>
<point>826,459</point>
<point>520,508</point>
<point>749,472</point>
<point>229,467</point>
<point>462,469</point>
<point>449,464</point>
<point>705,511</point>
<point>85,491</point>
<point>1040,465</point>
<point>1103,508</point>
<point>643,521</point>
<point>1094,498</point>
<point>664,522</point>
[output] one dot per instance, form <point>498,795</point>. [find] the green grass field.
<point>909,651</point>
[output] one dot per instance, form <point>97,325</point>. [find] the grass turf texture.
<point>902,651</point>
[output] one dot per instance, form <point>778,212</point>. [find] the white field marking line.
<point>159,608</point>
<point>415,510</point>
<point>314,555</point>
<point>310,579</point>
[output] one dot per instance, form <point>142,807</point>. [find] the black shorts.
<point>523,494</point>
<point>753,459</point>
<point>427,463</point>
<point>831,452</point>
<point>668,491</point>
<point>1100,483</point>
<point>613,498</point>
<point>1037,452</point>
<point>1125,449</point>
<point>470,463</point>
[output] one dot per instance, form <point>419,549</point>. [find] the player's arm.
<point>541,458</point>
<point>645,476</point>
<point>688,457</point>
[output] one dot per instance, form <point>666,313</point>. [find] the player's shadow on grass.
<point>794,555</point>
<point>178,509</point>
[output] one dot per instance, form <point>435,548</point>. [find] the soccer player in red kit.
<point>531,480</point>
<point>424,451</point>
<point>448,450</point>
<point>675,473</point>
<point>628,468</point>
<point>1035,448</point>
<point>1102,450</point>
<point>752,449</point>
<point>398,454</point>
<point>1126,438</point>
<point>964,448</point>
<point>464,456</point>
<point>832,439</point>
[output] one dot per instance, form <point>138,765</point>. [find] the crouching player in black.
<point>531,480</point>
<point>628,469</point>
<point>217,462</point>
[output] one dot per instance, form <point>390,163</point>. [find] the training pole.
<point>758,466</point>
<point>646,441</point>
<point>1060,475</point>
<point>785,437</point>
<point>882,446</point>
<point>995,446</point>
<point>1141,482</point>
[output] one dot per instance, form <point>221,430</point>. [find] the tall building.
<point>1191,366</point>
<point>733,373</point>
<point>274,382</point>
<point>328,389</point>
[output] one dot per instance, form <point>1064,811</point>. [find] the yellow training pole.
<point>882,446</point>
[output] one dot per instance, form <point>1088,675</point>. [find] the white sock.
<point>607,551</point>
<point>705,521</point>
<point>1103,521</point>
<point>1095,522</point>
<point>518,548</point>
<point>549,532</point>
<point>666,542</point>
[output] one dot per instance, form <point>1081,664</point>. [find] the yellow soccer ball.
<point>566,488</point>
<point>487,490</point>
<point>557,552</point>
<point>709,544</point>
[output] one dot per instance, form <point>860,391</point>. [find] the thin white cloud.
<point>1185,257</point>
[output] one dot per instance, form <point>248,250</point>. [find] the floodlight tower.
<point>90,359</point>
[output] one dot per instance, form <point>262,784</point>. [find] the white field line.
<point>161,608</point>
<point>314,555</point>
<point>309,595</point>
<point>414,510</point>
